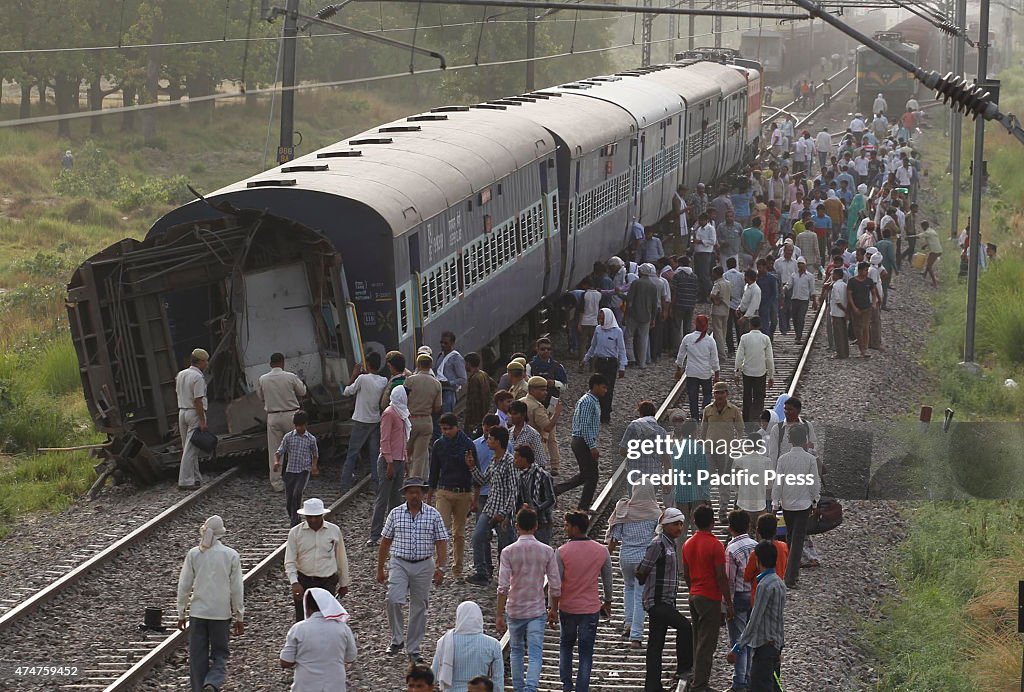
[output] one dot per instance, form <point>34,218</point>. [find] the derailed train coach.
<point>468,219</point>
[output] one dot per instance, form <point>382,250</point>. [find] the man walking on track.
<point>659,573</point>
<point>416,531</point>
<point>764,630</point>
<point>704,572</point>
<point>280,391</point>
<point>314,555</point>
<point>586,425</point>
<point>580,562</point>
<point>190,387</point>
<point>212,576</point>
<point>755,367</point>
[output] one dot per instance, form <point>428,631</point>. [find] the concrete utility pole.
<point>531,49</point>
<point>956,128</point>
<point>974,235</point>
<point>646,26</point>
<point>691,28</point>
<point>718,31</point>
<point>286,150</point>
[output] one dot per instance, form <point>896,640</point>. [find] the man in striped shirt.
<point>737,554</point>
<point>503,477</point>
<point>524,564</point>
<point>586,424</point>
<point>298,454</point>
<point>764,630</point>
<point>659,573</point>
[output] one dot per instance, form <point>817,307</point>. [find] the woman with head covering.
<point>698,360</point>
<point>607,352</point>
<point>214,601</point>
<point>877,274</point>
<point>464,652</point>
<point>395,429</point>
<point>320,647</point>
<point>856,211</point>
<point>631,527</point>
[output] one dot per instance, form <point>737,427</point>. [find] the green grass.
<point>957,557</point>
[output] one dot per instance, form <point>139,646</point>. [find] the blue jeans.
<point>447,400</point>
<point>483,564</point>
<point>582,630</point>
<point>769,314</point>
<point>207,651</point>
<point>363,434</point>
<point>741,604</point>
<point>528,634</point>
<point>632,602</point>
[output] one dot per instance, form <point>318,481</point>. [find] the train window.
<point>439,286</point>
<point>572,217</point>
<point>403,312</point>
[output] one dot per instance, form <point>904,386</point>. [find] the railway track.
<point>113,584</point>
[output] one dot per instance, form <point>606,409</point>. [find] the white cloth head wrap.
<point>211,530</point>
<point>468,620</point>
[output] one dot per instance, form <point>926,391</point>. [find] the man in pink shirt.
<point>580,562</point>
<point>522,568</point>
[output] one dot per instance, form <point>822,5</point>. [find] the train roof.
<point>647,103</point>
<point>692,85</point>
<point>726,76</point>
<point>584,124</point>
<point>412,169</point>
<point>756,33</point>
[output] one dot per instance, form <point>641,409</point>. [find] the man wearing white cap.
<point>314,555</point>
<point>212,576</point>
<point>321,646</point>
<point>659,573</point>
<point>190,387</point>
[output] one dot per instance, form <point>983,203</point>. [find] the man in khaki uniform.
<point>537,417</point>
<point>517,385</point>
<point>722,422</point>
<point>721,294</point>
<point>190,387</point>
<point>280,391</point>
<point>424,401</point>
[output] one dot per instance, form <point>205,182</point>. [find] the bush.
<point>130,195</point>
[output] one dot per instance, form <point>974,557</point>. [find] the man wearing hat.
<point>412,533</point>
<point>517,384</point>
<point>424,402</point>
<point>190,387</point>
<point>314,555</point>
<point>212,576</point>
<point>721,422</point>
<point>658,571</point>
<point>539,419</point>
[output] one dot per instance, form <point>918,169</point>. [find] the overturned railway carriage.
<point>465,219</point>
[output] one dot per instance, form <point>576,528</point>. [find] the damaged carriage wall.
<point>358,234</point>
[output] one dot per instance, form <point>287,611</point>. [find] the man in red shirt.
<point>704,572</point>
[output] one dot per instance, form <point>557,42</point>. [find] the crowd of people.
<point>454,453</point>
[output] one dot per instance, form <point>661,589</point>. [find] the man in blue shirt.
<point>586,424</point>
<point>452,483</point>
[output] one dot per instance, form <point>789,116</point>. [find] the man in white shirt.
<point>588,315</point>
<point>823,145</point>
<point>799,155</point>
<point>857,127</point>
<point>212,576</point>
<point>679,209</point>
<point>705,242</point>
<point>795,499</point>
<point>190,387</point>
<point>752,491</point>
<point>367,387</point>
<point>737,284</point>
<point>801,291</point>
<point>280,391</point>
<point>698,359</point>
<point>315,556</point>
<point>750,303</point>
<point>755,366</point>
<point>837,314</point>
<point>785,267</point>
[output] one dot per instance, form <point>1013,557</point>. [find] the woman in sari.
<point>855,212</point>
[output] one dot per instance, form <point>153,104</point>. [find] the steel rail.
<point>178,638</point>
<point>50,591</point>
